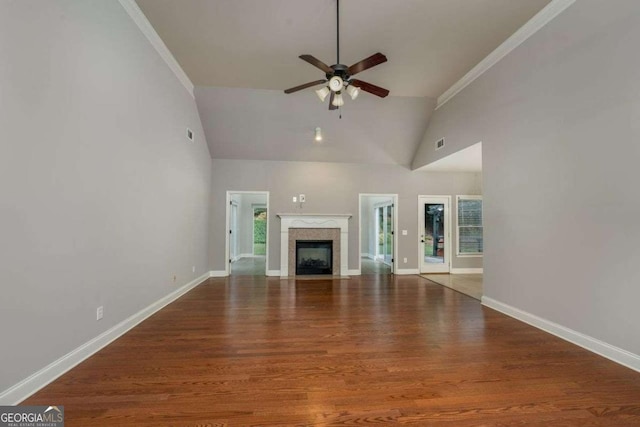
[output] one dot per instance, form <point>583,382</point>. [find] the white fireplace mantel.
<point>304,220</point>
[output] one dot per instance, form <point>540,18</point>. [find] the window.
<point>470,241</point>
<point>259,229</point>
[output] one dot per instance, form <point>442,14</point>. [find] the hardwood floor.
<point>378,349</point>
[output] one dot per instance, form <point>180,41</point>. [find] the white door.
<point>435,235</point>
<point>384,233</point>
<point>233,232</point>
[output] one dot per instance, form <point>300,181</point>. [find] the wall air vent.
<point>439,143</point>
<point>189,135</point>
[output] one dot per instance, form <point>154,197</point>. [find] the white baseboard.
<point>466,271</point>
<point>355,272</point>
<point>406,271</point>
<point>25,388</point>
<point>218,273</point>
<point>272,273</point>
<point>618,355</point>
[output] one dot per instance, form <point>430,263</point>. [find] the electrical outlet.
<point>295,199</point>
<point>193,269</point>
<point>302,198</point>
<point>404,232</point>
<point>99,313</point>
<point>405,260</point>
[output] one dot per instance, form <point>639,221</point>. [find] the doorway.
<point>378,222</point>
<point>233,230</point>
<point>434,246</point>
<point>248,232</point>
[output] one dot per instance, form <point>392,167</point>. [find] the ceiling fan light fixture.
<point>323,93</point>
<point>336,84</point>
<point>338,100</point>
<point>353,91</point>
<point>338,76</point>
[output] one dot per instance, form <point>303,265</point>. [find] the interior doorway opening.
<point>378,222</point>
<point>248,231</point>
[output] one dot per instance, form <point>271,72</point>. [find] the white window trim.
<point>465,254</point>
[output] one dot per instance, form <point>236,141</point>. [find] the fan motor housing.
<point>339,70</point>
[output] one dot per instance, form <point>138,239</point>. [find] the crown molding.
<point>542,18</point>
<point>145,26</point>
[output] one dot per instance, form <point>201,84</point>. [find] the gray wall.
<point>559,119</point>
<point>331,188</point>
<point>365,227</point>
<point>102,201</point>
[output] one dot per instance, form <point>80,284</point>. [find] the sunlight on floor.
<point>249,266</point>
<point>468,284</point>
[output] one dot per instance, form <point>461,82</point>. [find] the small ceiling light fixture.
<point>336,84</point>
<point>318,136</point>
<point>338,100</point>
<point>323,93</point>
<point>353,91</point>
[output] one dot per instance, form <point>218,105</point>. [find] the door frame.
<point>227,269</point>
<point>396,210</point>
<point>422,199</point>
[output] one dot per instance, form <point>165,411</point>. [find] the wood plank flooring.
<point>253,351</point>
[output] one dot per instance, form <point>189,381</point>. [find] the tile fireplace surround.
<point>333,227</point>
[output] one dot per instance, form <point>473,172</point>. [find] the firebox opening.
<point>314,257</point>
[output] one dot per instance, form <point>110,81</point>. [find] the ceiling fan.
<point>339,75</point>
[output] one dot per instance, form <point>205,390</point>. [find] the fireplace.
<point>314,227</point>
<point>314,257</point>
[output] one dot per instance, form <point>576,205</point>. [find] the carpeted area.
<point>249,266</point>
<point>468,284</point>
<point>370,266</point>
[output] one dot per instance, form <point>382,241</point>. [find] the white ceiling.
<point>241,54</point>
<point>269,125</point>
<point>255,43</point>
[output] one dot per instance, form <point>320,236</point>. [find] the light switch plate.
<point>404,232</point>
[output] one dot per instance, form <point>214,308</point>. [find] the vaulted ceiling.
<point>253,45</point>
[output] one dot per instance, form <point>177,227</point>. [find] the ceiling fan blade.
<point>331,106</point>
<point>368,87</point>
<point>304,86</point>
<point>365,64</point>
<point>317,63</point>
